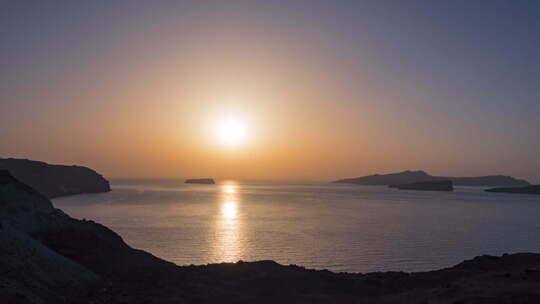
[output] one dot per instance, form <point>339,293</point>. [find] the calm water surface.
<point>317,225</point>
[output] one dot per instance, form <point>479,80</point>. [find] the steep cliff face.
<point>55,180</point>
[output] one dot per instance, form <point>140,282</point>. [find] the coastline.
<point>92,264</point>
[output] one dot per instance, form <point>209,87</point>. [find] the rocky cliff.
<point>407,177</point>
<point>55,180</point>
<point>48,257</point>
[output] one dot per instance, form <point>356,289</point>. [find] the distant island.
<point>48,257</point>
<point>55,180</point>
<point>533,189</point>
<point>426,186</point>
<point>407,177</point>
<point>208,181</point>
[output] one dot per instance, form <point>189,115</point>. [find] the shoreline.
<point>48,257</point>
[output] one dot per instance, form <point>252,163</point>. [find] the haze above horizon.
<point>305,90</point>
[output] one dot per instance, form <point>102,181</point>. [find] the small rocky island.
<point>207,181</point>
<point>48,257</point>
<point>533,189</point>
<point>55,180</point>
<point>426,186</point>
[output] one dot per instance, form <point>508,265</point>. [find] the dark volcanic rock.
<point>426,186</point>
<point>534,189</point>
<point>200,181</point>
<point>48,257</point>
<point>30,271</point>
<point>55,180</point>
<point>407,177</point>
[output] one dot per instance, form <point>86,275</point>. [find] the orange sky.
<point>330,94</point>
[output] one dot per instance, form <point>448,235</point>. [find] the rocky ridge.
<point>55,180</point>
<point>407,177</point>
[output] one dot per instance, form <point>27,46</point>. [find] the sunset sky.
<point>294,90</point>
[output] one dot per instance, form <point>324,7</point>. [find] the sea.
<point>339,227</point>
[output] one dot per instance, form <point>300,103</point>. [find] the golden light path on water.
<point>228,229</point>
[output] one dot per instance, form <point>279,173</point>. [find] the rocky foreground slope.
<point>48,257</point>
<point>55,180</point>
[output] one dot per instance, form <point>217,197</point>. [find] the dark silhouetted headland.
<point>200,181</point>
<point>407,177</point>
<point>55,180</point>
<point>533,189</point>
<point>48,257</point>
<point>426,186</point>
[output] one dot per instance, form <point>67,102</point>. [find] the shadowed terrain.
<point>48,257</point>
<point>55,180</point>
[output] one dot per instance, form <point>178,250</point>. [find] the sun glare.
<point>229,210</point>
<point>232,131</point>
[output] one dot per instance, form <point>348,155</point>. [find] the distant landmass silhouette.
<point>48,257</point>
<point>407,177</point>
<point>200,181</point>
<point>533,189</point>
<point>55,180</point>
<point>426,186</point>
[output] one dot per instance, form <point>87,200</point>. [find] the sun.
<point>231,131</point>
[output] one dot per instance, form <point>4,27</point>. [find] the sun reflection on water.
<point>230,189</point>
<point>228,245</point>
<point>229,209</point>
